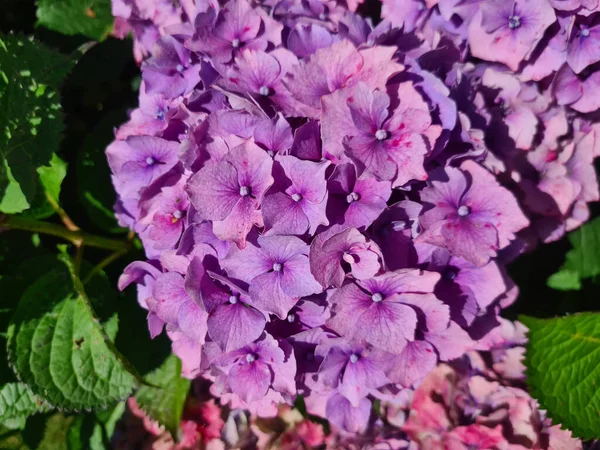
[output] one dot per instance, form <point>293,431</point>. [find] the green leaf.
<point>563,370</point>
<point>93,174</point>
<point>31,120</point>
<point>17,402</point>
<point>91,18</point>
<point>49,184</point>
<point>57,346</point>
<point>165,402</point>
<point>582,261</point>
<point>52,176</point>
<point>565,280</point>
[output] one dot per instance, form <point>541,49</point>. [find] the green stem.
<point>105,262</point>
<point>76,237</point>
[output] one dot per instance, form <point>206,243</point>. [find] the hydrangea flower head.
<point>327,207</point>
<point>471,214</point>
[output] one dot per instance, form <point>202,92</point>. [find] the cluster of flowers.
<point>527,90</point>
<point>327,207</point>
<point>477,401</point>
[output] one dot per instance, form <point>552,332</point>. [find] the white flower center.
<point>296,197</point>
<point>150,160</point>
<point>264,90</point>
<point>353,358</point>
<point>291,318</point>
<point>585,32</point>
<point>235,43</point>
<point>380,135</point>
<point>398,225</point>
<point>514,22</point>
<point>277,267</point>
<point>250,357</point>
<point>177,214</point>
<point>464,211</point>
<point>245,190</point>
<point>352,197</point>
<point>179,68</point>
<point>377,297</point>
<point>233,299</point>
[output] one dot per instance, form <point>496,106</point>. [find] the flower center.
<point>377,297</point>
<point>354,358</point>
<point>296,197</point>
<point>514,22</point>
<point>179,68</point>
<point>233,299</point>
<point>160,114</point>
<point>177,214</point>
<point>235,43</point>
<point>277,267</point>
<point>323,16</point>
<point>352,197</point>
<point>381,135</point>
<point>464,211</point>
<point>348,257</point>
<point>291,318</point>
<point>398,225</point>
<point>264,91</point>
<point>251,357</point>
<point>585,32</point>
<point>245,191</point>
<point>150,160</point>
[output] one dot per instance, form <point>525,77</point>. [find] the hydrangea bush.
<point>327,207</point>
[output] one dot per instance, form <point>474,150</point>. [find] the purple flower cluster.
<point>524,74</point>
<point>327,207</point>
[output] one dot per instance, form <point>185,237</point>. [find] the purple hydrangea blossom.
<point>230,191</point>
<point>327,207</point>
<point>298,201</point>
<point>508,32</point>
<point>471,214</point>
<point>277,271</point>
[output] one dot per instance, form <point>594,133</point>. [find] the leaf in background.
<point>31,120</point>
<point>17,402</point>
<point>91,18</point>
<point>58,347</point>
<point>563,370</point>
<point>93,174</point>
<point>165,402</point>
<point>582,261</point>
<point>49,183</point>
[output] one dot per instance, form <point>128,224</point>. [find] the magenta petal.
<point>437,314</point>
<point>214,190</point>
<point>566,86</point>
<point>268,296</point>
<point>296,279</point>
<point>359,377</point>
<point>450,343</point>
<point>283,216</point>
<point>332,367</point>
<point>250,381</point>
<point>192,321</point>
<point>342,414</point>
<point>155,325</point>
<point>233,326</point>
<point>416,360</point>
<point>170,294</point>
<point>387,326</point>
<point>236,226</point>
